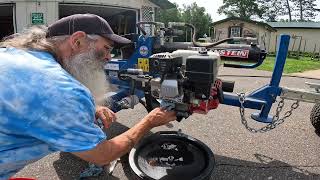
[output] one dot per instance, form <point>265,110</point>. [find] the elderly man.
<point>52,81</point>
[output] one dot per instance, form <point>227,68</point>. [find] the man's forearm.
<point>122,144</point>
<point>114,148</point>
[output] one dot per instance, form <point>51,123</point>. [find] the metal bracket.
<point>300,94</point>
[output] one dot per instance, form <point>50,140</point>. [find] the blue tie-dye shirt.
<point>43,109</point>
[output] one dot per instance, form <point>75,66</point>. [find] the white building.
<point>305,36</point>
<point>16,15</point>
<point>239,27</point>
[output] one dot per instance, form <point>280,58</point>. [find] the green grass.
<point>292,65</point>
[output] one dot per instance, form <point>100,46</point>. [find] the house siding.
<point>310,39</point>
<point>221,31</point>
<point>50,9</point>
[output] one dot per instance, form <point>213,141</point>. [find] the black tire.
<point>174,137</point>
<point>315,117</point>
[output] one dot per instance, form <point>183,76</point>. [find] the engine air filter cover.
<point>171,155</point>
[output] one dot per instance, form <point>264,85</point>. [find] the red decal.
<point>234,53</point>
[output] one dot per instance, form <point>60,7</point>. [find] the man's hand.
<point>105,115</point>
<point>159,116</point>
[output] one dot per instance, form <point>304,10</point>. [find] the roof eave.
<point>298,27</point>
<point>267,26</point>
<point>163,4</point>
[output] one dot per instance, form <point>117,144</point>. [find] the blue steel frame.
<point>261,99</point>
<point>264,97</point>
<point>123,64</point>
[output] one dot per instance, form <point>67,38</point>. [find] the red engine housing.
<point>212,103</point>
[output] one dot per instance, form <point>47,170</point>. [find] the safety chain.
<point>276,120</point>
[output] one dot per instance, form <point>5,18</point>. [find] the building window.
<point>235,31</point>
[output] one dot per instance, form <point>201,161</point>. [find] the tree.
<point>306,9</point>
<point>246,9</point>
<point>273,9</point>
<point>192,14</point>
<point>289,10</point>
<point>169,15</point>
<point>198,17</point>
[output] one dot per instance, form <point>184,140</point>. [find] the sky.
<point>213,5</point>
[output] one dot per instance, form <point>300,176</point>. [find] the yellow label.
<point>143,63</point>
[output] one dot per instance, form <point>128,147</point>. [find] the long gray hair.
<point>33,38</point>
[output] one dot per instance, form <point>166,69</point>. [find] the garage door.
<point>122,20</point>
<point>7,19</point>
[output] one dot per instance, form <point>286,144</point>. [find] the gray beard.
<point>88,69</point>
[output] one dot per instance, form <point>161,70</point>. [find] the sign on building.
<point>37,18</point>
